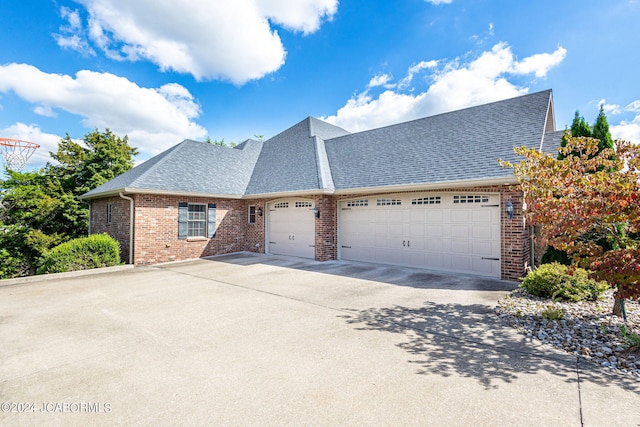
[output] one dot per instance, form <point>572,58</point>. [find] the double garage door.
<point>458,232</point>
<point>450,232</point>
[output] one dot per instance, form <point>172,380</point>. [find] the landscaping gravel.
<point>587,328</point>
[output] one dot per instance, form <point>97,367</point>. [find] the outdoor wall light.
<point>509,210</point>
<point>259,211</point>
<point>316,212</point>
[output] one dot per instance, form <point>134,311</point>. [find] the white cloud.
<point>230,40</point>
<point>72,36</point>
<point>541,63</point>
<point>45,110</point>
<point>627,130</point>
<point>439,1</point>
<point>32,133</point>
<point>415,69</point>
<point>609,109</point>
<point>452,85</point>
<point>380,80</point>
<point>633,106</point>
<point>154,118</point>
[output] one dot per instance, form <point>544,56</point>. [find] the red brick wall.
<point>516,237</point>
<point>119,226</point>
<point>156,238</point>
<point>326,228</point>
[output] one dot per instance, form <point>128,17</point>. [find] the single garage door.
<point>456,232</point>
<point>292,228</point>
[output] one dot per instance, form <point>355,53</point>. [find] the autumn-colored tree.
<point>584,199</point>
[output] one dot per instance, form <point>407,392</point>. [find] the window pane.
<point>197,221</point>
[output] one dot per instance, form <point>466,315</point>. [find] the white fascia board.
<point>506,180</point>
<point>284,194</point>
<point>162,193</point>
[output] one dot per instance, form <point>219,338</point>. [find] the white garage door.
<point>292,228</point>
<point>450,232</point>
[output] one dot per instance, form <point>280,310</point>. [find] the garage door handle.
<point>490,206</point>
<point>406,243</point>
<point>348,247</point>
<point>272,243</point>
<point>492,259</point>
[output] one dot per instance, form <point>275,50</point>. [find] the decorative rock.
<point>587,329</point>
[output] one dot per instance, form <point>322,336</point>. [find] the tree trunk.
<point>617,307</point>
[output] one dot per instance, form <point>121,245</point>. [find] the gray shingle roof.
<point>315,156</point>
<point>289,161</point>
<point>552,141</point>
<point>457,146</point>
<point>190,167</point>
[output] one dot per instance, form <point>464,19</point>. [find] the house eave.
<point>159,192</point>
<point>296,193</point>
<point>485,182</point>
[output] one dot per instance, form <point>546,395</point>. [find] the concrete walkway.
<point>250,339</point>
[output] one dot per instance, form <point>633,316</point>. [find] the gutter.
<point>130,199</point>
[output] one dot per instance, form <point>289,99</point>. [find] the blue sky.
<point>161,72</point>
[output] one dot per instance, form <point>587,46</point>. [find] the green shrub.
<point>556,281</point>
<point>552,313</point>
<point>84,253</point>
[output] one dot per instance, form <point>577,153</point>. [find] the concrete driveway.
<point>250,339</point>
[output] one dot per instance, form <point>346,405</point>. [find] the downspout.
<point>89,206</point>
<point>130,199</point>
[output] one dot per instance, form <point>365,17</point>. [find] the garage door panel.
<point>434,231</point>
<point>291,228</point>
<point>435,216</point>
<point>396,229</point>
<point>444,235</point>
<point>459,215</point>
<point>414,229</point>
<point>460,246</point>
<point>416,215</point>
<point>395,216</point>
<point>381,216</point>
<point>481,232</point>
<point>460,231</point>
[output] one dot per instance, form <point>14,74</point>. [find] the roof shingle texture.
<point>192,167</point>
<point>288,161</point>
<point>313,155</point>
<point>456,146</point>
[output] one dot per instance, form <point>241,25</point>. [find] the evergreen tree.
<point>601,131</point>
<point>579,127</point>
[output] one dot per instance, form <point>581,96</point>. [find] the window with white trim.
<point>388,202</point>
<point>470,198</point>
<point>431,200</point>
<point>197,221</point>
<point>303,204</point>
<point>281,205</point>
<point>361,202</point>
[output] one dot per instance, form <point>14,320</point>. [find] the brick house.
<point>428,193</point>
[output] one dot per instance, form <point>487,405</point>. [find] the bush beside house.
<point>95,251</point>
